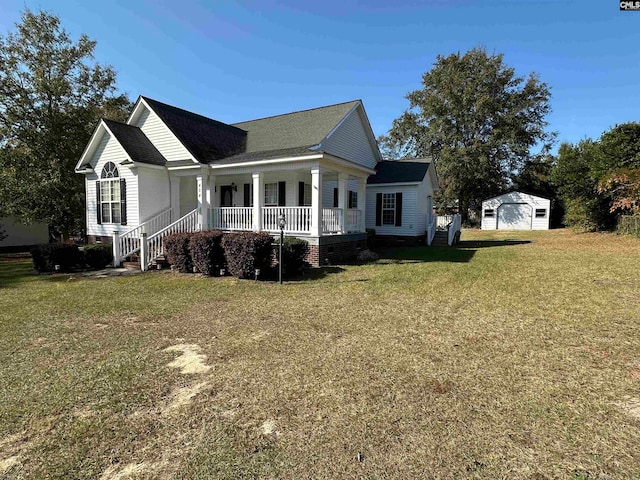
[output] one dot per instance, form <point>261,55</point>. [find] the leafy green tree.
<point>478,120</point>
<point>52,94</point>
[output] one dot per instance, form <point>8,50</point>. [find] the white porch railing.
<point>298,219</point>
<point>152,247</point>
<point>444,221</point>
<point>454,228</point>
<point>331,220</point>
<point>354,220</point>
<point>231,218</point>
<point>432,227</point>
<point>128,243</point>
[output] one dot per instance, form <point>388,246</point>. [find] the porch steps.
<point>441,239</point>
<point>132,262</point>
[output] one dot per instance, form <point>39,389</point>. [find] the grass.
<point>513,356</point>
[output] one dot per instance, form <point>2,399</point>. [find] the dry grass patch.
<point>495,360</point>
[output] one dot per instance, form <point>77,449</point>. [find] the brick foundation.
<point>98,238</point>
<point>398,241</point>
<point>335,249</point>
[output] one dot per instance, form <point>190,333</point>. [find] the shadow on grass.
<point>15,269</point>
<point>315,274</point>
<point>461,253</point>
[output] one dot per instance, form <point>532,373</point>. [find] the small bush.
<point>206,252</point>
<point>371,237</point>
<point>98,255</point>
<point>367,256</point>
<point>247,251</point>
<point>176,248</point>
<point>294,255</point>
<point>46,256</point>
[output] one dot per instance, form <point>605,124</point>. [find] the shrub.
<point>176,248</point>
<point>366,256</point>
<point>294,255</point>
<point>371,237</point>
<point>46,256</point>
<point>247,251</point>
<point>98,255</point>
<point>206,252</point>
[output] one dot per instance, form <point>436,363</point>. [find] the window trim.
<point>390,197</point>
<point>109,177</point>
<point>489,213</point>
<point>541,210</point>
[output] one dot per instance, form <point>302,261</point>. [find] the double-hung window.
<point>270,194</point>
<point>110,195</point>
<point>389,209</point>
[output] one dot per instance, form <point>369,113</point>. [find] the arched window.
<point>110,194</point>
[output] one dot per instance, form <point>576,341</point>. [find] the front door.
<point>226,196</point>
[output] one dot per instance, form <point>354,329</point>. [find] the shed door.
<point>514,216</point>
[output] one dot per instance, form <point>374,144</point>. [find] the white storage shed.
<point>516,211</point>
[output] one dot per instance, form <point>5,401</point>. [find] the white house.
<point>400,199</point>
<point>167,169</point>
<point>516,211</point>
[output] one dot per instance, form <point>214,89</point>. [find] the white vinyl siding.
<point>516,201</point>
<point>160,135</point>
<point>109,150</point>
<point>351,142</point>
<point>157,192</point>
<point>409,225</point>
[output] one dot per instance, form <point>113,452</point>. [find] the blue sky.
<point>239,60</point>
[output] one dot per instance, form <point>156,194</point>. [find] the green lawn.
<point>516,355</point>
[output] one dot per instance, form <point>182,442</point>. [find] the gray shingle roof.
<point>296,129</point>
<point>404,171</point>
<point>208,140</point>
<point>135,143</point>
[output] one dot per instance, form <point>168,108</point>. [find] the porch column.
<point>362,202</point>
<point>207,201</point>
<point>316,202</point>
<point>175,198</point>
<point>204,196</point>
<point>343,201</point>
<point>258,198</point>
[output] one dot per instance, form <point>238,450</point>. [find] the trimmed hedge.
<point>294,255</point>
<point>46,256</point>
<point>206,252</point>
<point>98,255</point>
<point>176,248</point>
<point>247,251</point>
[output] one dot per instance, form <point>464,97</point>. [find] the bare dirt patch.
<point>183,396</point>
<point>191,360</point>
<point>631,406</point>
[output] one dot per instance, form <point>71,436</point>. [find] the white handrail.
<point>129,242</point>
<point>432,227</point>
<point>454,228</point>
<point>353,220</point>
<point>155,247</point>
<point>297,219</point>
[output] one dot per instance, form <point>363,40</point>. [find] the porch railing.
<point>128,243</point>
<point>444,221</point>
<point>153,247</point>
<point>454,227</point>
<point>232,218</point>
<point>354,220</point>
<point>331,220</point>
<point>432,226</point>
<point>298,219</point>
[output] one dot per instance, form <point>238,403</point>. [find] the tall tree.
<point>52,94</point>
<point>477,119</point>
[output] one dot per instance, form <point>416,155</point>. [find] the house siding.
<point>155,193</point>
<point>109,150</point>
<point>350,141</point>
<point>160,135</point>
<point>410,225</point>
<point>491,223</point>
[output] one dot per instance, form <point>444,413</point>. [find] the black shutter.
<point>247,194</point>
<point>300,194</point>
<point>98,205</point>
<point>398,209</point>
<point>350,200</point>
<point>378,209</point>
<point>335,198</point>
<point>282,194</point>
<point>123,202</point>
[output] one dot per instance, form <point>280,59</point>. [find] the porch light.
<point>234,187</point>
